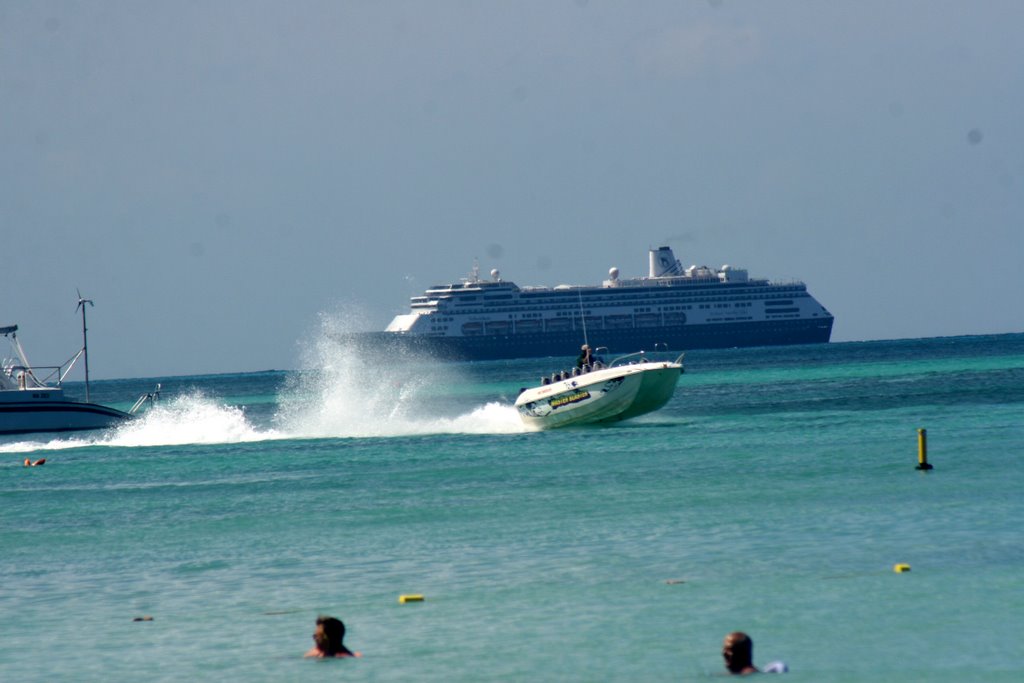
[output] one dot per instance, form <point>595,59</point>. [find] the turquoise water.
<point>773,494</point>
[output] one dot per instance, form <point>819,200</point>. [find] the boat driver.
<point>586,358</point>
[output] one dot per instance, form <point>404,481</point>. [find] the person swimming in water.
<point>738,652</point>
<point>328,637</point>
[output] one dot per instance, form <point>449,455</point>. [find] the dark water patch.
<point>198,567</point>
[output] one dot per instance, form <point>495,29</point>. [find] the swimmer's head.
<point>738,651</point>
<point>329,634</point>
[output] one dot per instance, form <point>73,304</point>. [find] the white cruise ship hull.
<point>672,308</point>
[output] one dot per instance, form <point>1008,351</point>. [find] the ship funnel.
<point>664,263</point>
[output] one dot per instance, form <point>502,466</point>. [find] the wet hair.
<point>741,651</point>
<point>334,633</point>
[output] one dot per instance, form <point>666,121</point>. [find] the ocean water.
<point>774,494</point>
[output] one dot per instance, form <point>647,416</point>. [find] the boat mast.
<point>583,318</point>
<point>85,341</point>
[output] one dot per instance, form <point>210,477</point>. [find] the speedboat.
<point>32,398</point>
<point>631,385</point>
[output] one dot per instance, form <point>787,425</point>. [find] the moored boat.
<point>32,398</point>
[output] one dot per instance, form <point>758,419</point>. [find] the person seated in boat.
<point>586,357</point>
<point>738,652</point>
<point>327,639</point>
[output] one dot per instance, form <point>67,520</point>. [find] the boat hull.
<point>544,344</point>
<point>657,388</point>
<point>600,397</point>
<point>25,417</point>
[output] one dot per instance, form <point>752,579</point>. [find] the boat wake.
<point>346,392</point>
<point>188,419</point>
<point>359,392</point>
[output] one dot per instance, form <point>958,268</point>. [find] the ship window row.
<point>633,297</point>
<point>691,288</point>
<point>780,323</point>
<point>733,295</point>
<point>641,299</point>
<point>625,291</point>
<point>569,309</point>
<point>646,300</point>
<point>533,293</point>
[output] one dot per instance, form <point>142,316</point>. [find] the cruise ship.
<point>673,308</point>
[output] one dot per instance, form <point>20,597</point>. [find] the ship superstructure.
<point>672,308</point>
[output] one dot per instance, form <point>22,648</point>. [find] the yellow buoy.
<point>402,599</point>
<point>922,451</point>
<point>900,568</point>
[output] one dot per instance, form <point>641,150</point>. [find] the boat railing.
<point>629,359</point>
<point>151,397</point>
<point>639,357</point>
<point>599,364</point>
<point>26,376</point>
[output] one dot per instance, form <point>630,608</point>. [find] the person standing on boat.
<point>586,358</point>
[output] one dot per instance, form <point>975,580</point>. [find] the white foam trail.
<point>186,419</point>
<point>355,392</point>
<point>493,418</point>
<point>350,393</point>
<point>189,419</point>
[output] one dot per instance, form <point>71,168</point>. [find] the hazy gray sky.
<point>215,175</point>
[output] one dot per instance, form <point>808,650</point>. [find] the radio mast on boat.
<point>583,318</point>
<point>85,340</point>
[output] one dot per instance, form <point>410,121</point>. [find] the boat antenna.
<point>85,340</point>
<point>583,318</point>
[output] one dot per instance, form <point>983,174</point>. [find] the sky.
<point>220,177</point>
